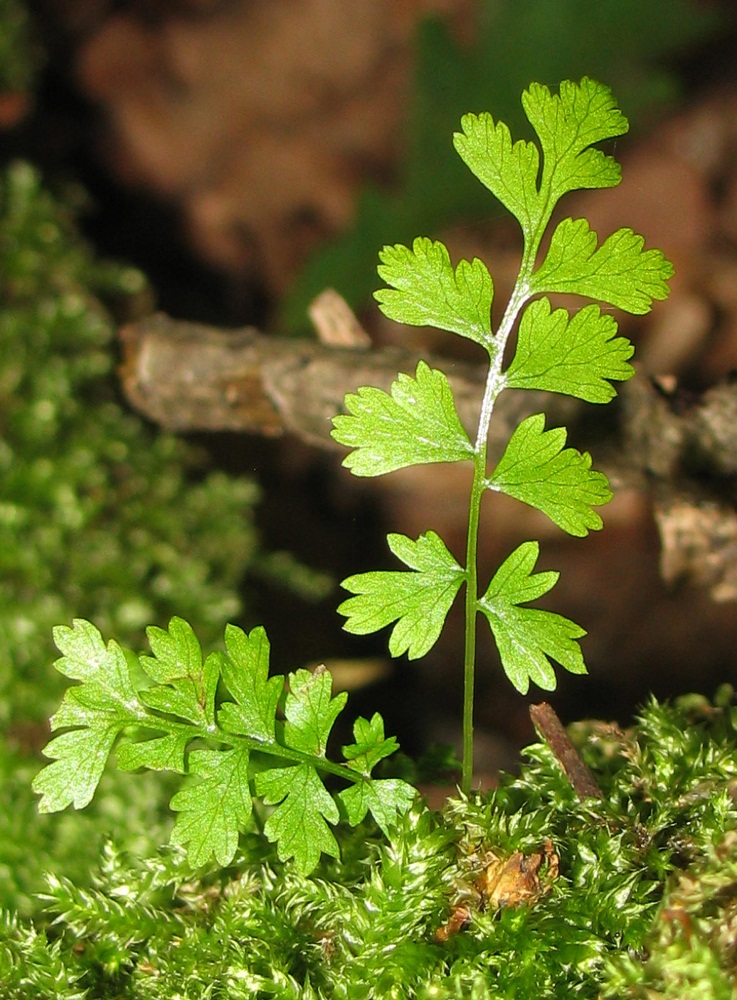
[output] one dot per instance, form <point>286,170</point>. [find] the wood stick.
<point>549,728</point>
<point>188,376</point>
<point>679,448</point>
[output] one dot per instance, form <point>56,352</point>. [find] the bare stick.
<point>549,728</point>
<point>188,376</point>
<point>682,450</point>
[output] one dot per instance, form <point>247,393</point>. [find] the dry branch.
<point>682,449</point>
<point>187,376</point>
<point>549,727</point>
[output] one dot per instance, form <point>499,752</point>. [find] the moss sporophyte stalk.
<point>241,733</point>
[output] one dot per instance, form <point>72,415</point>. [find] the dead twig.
<point>679,448</point>
<point>549,728</point>
<point>187,376</point>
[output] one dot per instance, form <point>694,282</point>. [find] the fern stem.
<point>495,382</point>
<point>469,657</point>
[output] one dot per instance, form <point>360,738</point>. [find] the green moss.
<point>32,844</point>
<point>89,491</point>
<point>643,905</point>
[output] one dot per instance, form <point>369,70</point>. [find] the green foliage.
<point>619,271</point>
<point>661,840</point>
<point>425,290</point>
<point>578,354</point>
<point>165,712</point>
<point>417,424</point>
<point>690,947</point>
<point>30,966</point>
<point>418,601</point>
<point>574,353</point>
<point>628,43</point>
<point>567,125</point>
<point>528,638</point>
<point>88,489</point>
<point>536,469</point>
<point>32,844</point>
<point>261,892</point>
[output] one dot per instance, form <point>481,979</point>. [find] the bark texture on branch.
<point>187,377</point>
<point>682,450</point>
<point>686,452</point>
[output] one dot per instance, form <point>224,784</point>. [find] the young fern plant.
<point>225,723</point>
<point>235,732</point>
<point>574,352</point>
